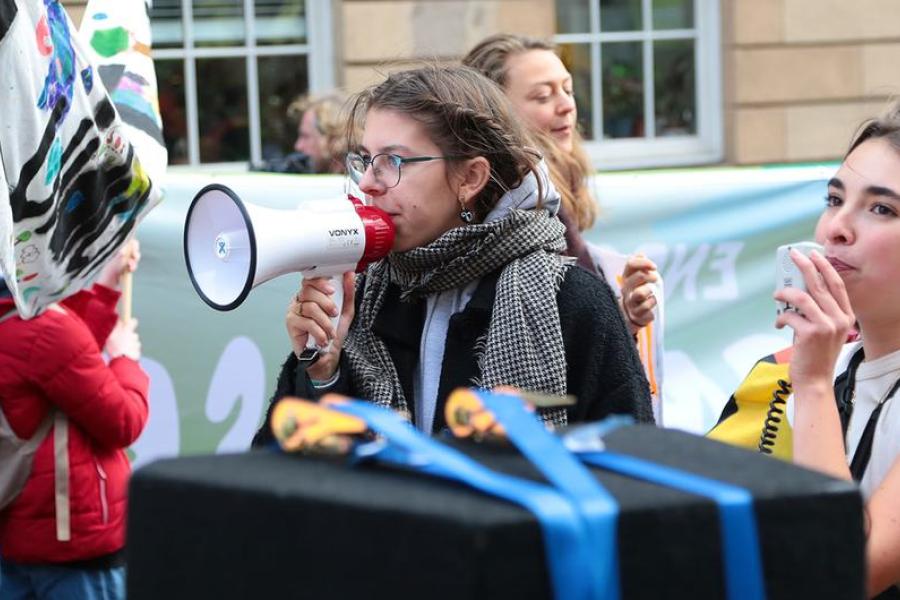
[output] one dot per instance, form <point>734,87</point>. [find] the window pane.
<point>281,80</point>
<point>170,87</point>
<point>673,14</point>
<point>577,58</point>
<point>620,15</point>
<point>623,89</point>
<point>573,16</point>
<point>218,22</point>
<point>674,77</point>
<point>280,22</point>
<point>165,24</point>
<point>222,109</point>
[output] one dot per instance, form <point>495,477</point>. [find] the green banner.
<point>712,232</point>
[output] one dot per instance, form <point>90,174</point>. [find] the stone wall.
<point>798,75</point>
<point>377,35</point>
<point>802,74</point>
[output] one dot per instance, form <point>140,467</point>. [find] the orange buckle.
<point>305,426</point>
<point>467,416</point>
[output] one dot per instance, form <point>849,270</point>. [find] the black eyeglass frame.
<point>398,160</point>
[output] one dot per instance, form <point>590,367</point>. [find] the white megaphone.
<point>231,246</point>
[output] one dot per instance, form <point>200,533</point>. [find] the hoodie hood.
<point>526,197</point>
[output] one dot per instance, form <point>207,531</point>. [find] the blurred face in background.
<point>310,140</point>
<point>540,88</point>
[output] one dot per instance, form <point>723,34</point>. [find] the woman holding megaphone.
<point>475,290</point>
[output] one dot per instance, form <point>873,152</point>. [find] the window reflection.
<point>218,22</point>
<point>674,81</point>
<point>673,14</point>
<point>573,16</point>
<point>623,89</point>
<point>281,80</point>
<point>280,22</point>
<point>620,15</point>
<point>170,86</point>
<point>222,102</point>
<point>165,24</point>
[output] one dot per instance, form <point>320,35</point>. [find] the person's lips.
<point>839,265</point>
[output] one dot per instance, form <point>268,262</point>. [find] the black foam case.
<point>263,524</point>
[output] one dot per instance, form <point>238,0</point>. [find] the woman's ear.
<point>473,176</point>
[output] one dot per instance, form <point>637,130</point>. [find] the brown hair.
<point>465,115</point>
<point>331,122</point>
<point>885,126</point>
<point>568,170</point>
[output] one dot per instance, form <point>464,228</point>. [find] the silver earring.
<point>465,214</point>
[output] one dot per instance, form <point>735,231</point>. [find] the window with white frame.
<point>228,69</point>
<point>647,79</point>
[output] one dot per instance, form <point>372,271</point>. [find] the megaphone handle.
<point>338,297</point>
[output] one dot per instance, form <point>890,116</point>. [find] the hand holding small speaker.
<point>313,312</point>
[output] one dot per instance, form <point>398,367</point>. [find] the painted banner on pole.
<point>73,188</point>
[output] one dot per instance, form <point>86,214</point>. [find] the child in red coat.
<point>63,536</point>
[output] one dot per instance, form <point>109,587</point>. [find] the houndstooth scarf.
<point>523,345</point>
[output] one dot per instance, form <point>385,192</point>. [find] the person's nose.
<point>565,104</point>
<point>840,229</point>
<point>369,184</point>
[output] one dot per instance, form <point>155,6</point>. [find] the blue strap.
<point>740,542</point>
<point>565,538</point>
<point>597,507</point>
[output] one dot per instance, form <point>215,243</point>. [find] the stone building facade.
<point>796,76</point>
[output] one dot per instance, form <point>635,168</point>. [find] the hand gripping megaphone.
<point>231,246</point>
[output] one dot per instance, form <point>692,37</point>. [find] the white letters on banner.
<point>705,270</point>
<point>239,379</point>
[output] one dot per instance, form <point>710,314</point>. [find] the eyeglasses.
<point>385,167</point>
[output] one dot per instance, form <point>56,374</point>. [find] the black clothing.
<point>295,162</point>
<point>603,370</point>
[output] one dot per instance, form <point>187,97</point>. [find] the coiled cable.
<point>774,416</point>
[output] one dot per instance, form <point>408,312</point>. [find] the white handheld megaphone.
<point>231,246</point>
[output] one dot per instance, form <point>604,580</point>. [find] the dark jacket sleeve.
<point>604,371</point>
<point>294,381</point>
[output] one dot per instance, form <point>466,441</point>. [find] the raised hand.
<point>309,314</point>
<point>124,340</point>
<point>638,298</point>
<point>821,323</point>
<point>124,261</point>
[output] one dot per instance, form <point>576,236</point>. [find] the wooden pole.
<point>125,301</point>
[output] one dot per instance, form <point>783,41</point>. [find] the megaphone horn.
<point>231,246</point>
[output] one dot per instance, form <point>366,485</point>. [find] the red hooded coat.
<point>54,361</point>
